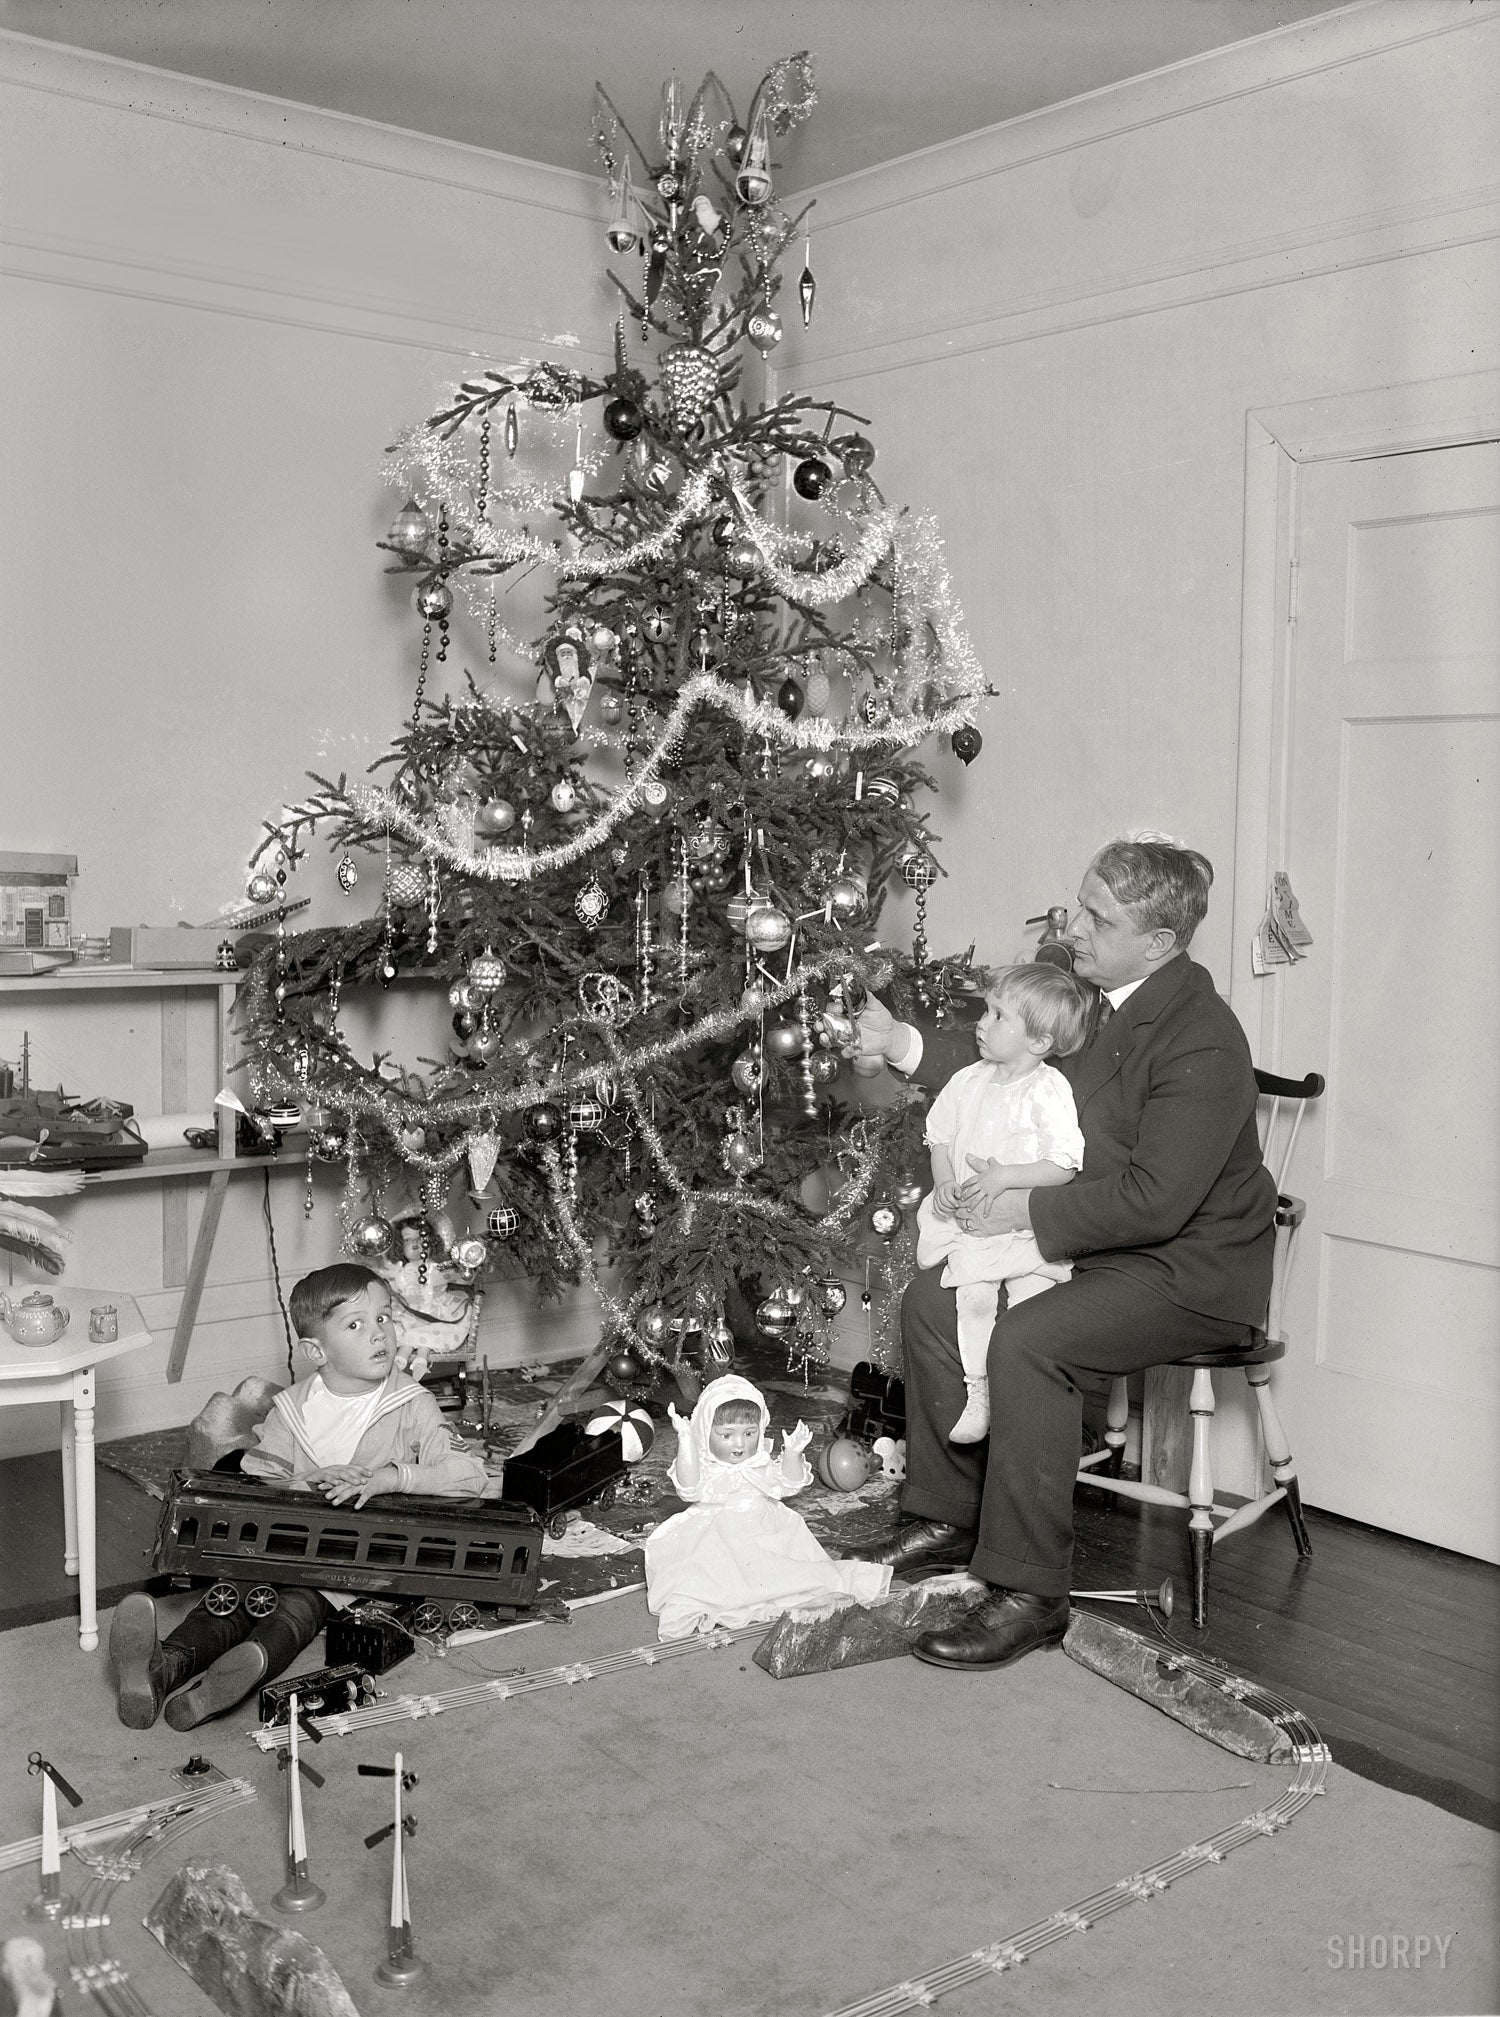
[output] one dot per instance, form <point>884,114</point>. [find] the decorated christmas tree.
<point>650,861</point>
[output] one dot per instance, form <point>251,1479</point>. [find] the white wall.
<point>217,311</point>
<point>1058,327</point>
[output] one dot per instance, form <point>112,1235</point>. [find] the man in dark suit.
<point>1169,1227</point>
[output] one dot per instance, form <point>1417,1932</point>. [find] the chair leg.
<point>1117,1414</point>
<point>1201,1490</point>
<point>1278,1450</point>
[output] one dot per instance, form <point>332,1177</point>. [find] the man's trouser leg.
<point>1090,1329</point>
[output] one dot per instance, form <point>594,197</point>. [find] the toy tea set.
<point>38,1320</point>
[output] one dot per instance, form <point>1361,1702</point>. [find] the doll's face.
<point>734,1441</point>
<point>411,1243</point>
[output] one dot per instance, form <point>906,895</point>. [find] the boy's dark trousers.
<point>200,1665</point>
<point>193,1646</point>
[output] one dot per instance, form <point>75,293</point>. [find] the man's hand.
<point>874,1029</point>
<point>984,1206</point>
<point>945,1199</point>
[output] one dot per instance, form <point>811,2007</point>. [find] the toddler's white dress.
<point>737,1556</point>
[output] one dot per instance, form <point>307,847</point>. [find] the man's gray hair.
<point>1160,883</point>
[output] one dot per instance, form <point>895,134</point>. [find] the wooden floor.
<point>1391,1647</point>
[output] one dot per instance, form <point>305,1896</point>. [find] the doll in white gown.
<point>737,1555</point>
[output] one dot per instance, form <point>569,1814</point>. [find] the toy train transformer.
<point>250,1539</point>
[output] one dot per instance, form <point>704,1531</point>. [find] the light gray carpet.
<point>696,1838</point>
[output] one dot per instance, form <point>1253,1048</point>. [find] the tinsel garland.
<point>383,811</point>
<point>398,1111</point>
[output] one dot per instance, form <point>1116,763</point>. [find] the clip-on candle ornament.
<point>807,288</point>
<point>299,1893</point>
<point>51,1902</point>
<point>401,1965</point>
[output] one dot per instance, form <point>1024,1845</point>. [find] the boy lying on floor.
<point>354,1428</point>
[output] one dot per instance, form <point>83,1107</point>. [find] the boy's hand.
<point>945,1200</point>
<point>332,1476</point>
<point>796,1439</point>
<point>366,1485</point>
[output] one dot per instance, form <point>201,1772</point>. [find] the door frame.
<point>1344,427</point>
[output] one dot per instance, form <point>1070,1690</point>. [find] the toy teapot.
<point>35,1319</point>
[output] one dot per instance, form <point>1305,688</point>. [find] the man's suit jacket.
<point>1173,1190</point>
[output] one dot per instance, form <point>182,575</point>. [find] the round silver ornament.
<point>261,888</point>
<point>744,557</point>
<point>825,1067</point>
<point>847,898</point>
<point>433,600</point>
<point>543,1121</point>
<point>487,973</point>
<point>585,1116</point>
<point>740,1155</point>
<point>657,623</point>
<point>748,1073</point>
<point>767,928</point>
<point>470,1255</point>
<point>410,531</point>
<point>884,1219</point>
<point>460,995</point>
<point>918,870</point>
<point>654,1325</point>
<point>494,817</point>
<point>775,1315</point>
<point>501,1221</point>
<point>406,883</point>
<point>884,788</point>
<point>764,329</point>
<point>821,770</point>
<point>785,1040</point>
<point>854,451</point>
<point>370,1236</point>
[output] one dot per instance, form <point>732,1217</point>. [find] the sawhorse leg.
<point>203,1248</point>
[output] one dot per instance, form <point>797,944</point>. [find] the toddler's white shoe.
<point>973,1425</point>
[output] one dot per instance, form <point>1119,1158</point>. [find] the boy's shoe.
<point>229,1680</point>
<point>973,1425</point>
<point>140,1665</point>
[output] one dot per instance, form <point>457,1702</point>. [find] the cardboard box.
<point>165,946</point>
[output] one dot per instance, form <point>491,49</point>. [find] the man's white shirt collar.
<point>1116,996</point>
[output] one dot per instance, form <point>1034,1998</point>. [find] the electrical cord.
<point>286,1322</point>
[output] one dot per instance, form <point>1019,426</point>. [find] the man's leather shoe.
<point>925,1544</point>
<point>1011,1623</point>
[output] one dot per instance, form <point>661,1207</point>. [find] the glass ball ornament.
<point>855,452</point>
<point>657,623</point>
<point>734,143</point>
<point>654,796</point>
<point>748,1073</point>
<point>907,1190</point>
<point>411,529</point>
<point>487,973</point>
<point>821,770</point>
<point>464,1024</point>
<point>885,789</point>
<point>406,883</point>
<point>654,1325</point>
<point>832,1295</point>
<point>884,1219</point>
<point>485,1044</point>
<point>763,327</point>
<point>347,873</point>
<point>725,530</point>
<point>812,477</point>
<point>501,1221</point>
<point>739,907</point>
<point>775,1315</point>
<point>966,742</point>
<point>744,557</point>
<point>433,600</point>
<point>785,1040</point>
<point>611,710</point>
<point>918,870</point>
<point>604,640</point>
<point>825,1067</point>
<point>544,1121</point>
<point>495,817</point>
<point>848,898</point>
<point>564,795</point>
<point>585,1116</point>
<point>789,698</point>
<point>767,928</point>
<point>370,1236</point>
<point>741,1155</point>
<point>624,1368</point>
<point>460,995</point>
<point>875,711</point>
<point>469,1254</point>
<point>261,888</point>
<point>623,419</point>
<point>645,1207</point>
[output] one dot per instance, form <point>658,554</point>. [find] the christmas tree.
<point>651,868</point>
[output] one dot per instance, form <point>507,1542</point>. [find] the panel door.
<point>1391,1391</point>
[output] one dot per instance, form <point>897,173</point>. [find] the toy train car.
<point>250,1537</point>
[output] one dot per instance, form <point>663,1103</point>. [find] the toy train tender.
<point>250,1537</point>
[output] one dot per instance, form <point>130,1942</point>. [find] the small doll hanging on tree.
<point>436,1310</point>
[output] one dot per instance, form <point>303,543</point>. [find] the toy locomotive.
<point>251,1537</point>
